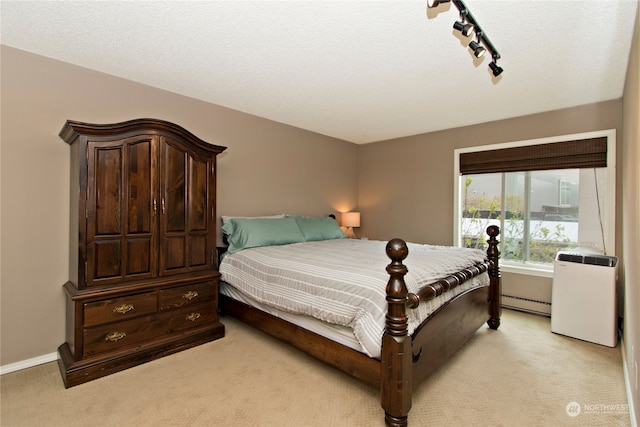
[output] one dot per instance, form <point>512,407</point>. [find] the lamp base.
<point>349,233</point>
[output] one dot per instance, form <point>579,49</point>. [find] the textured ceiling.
<point>361,71</point>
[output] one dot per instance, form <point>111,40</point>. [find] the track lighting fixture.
<point>467,25</point>
<point>478,50</point>
<point>464,27</point>
<point>495,68</point>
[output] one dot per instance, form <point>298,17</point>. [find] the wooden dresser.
<point>144,279</point>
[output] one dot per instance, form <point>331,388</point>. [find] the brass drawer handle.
<point>190,295</point>
<point>115,336</point>
<point>123,309</point>
<point>193,316</point>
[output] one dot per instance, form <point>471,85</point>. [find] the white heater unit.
<point>583,299</point>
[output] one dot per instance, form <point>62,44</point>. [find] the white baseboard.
<point>528,305</point>
<point>627,380</point>
<point>29,363</point>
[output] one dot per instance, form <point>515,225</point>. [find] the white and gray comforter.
<point>343,281</point>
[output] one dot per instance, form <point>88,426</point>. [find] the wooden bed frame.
<point>405,360</point>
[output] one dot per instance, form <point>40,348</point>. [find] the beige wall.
<point>630,273</point>
<point>267,168</point>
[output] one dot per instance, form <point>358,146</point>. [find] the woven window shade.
<point>584,153</point>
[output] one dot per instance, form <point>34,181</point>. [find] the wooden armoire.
<point>144,279</point>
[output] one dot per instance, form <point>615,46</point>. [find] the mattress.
<point>342,282</point>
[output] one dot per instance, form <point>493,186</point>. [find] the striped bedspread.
<point>343,281</point>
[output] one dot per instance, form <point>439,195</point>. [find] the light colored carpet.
<point>520,375</point>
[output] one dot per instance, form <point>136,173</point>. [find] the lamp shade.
<point>350,219</point>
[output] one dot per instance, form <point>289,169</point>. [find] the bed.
<point>390,320</point>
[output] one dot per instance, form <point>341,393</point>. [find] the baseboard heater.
<point>526,304</point>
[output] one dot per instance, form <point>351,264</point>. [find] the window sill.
<point>526,270</point>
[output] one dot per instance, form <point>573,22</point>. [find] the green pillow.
<point>250,233</point>
<point>321,228</point>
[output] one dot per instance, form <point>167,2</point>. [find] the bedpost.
<point>495,291</point>
<point>396,361</point>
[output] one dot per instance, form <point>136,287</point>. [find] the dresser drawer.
<point>187,295</point>
<point>100,312</point>
<point>189,317</point>
<point>135,331</point>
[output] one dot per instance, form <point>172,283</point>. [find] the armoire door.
<point>186,229</point>
<point>121,222</point>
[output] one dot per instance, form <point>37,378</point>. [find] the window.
<point>564,193</point>
<point>540,210</point>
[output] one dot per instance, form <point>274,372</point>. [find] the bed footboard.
<point>469,309</point>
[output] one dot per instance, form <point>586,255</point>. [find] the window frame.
<point>610,190</point>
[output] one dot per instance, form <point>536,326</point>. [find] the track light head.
<point>478,50</point>
<point>497,70</point>
<point>464,27</point>
<point>435,3</point>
